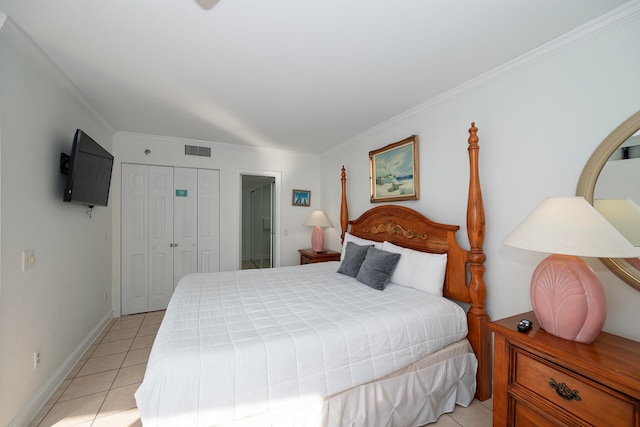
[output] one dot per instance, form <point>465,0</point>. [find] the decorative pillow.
<point>419,270</point>
<point>353,258</point>
<point>377,267</point>
<point>358,241</point>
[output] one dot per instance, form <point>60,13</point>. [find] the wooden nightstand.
<point>307,256</point>
<point>540,379</point>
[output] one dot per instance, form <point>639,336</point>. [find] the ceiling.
<point>304,75</point>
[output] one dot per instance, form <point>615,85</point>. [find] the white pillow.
<point>419,270</point>
<point>358,241</point>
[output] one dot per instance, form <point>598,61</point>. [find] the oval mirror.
<point>606,163</point>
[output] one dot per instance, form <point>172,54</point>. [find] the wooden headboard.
<point>464,280</point>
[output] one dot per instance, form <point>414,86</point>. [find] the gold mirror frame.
<point>587,184</point>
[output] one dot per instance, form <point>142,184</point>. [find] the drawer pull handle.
<point>564,391</point>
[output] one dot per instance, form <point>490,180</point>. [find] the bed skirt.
<point>413,396</point>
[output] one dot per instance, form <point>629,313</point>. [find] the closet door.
<point>160,237</point>
<point>147,228</point>
<point>208,220</point>
<point>135,239</point>
<point>185,226</point>
<point>170,228</point>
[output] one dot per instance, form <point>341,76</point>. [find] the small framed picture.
<point>301,198</point>
<point>394,171</point>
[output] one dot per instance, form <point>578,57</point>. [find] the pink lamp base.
<point>568,298</point>
<point>317,239</point>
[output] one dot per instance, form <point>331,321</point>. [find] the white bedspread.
<point>237,344</point>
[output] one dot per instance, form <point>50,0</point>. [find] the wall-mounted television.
<point>88,169</point>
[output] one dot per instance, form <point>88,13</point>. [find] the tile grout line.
<point>116,376</point>
<point>77,368</point>
<point>81,363</point>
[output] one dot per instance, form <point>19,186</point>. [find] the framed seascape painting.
<point>301,198</point>
<point>393,171</point>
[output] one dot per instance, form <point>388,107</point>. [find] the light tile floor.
<point>99,390</point>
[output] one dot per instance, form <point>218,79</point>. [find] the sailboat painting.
<point>394,171</point>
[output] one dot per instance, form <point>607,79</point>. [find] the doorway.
<point>258,221</point>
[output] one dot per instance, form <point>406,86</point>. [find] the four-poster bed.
<point>406,227</point>
<point>307,345</point>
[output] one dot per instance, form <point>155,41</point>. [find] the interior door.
<point>135,239</point>
<point>147,228</point>
<point>160,237</point>
<point>208,220</point>
<point>185,226</point>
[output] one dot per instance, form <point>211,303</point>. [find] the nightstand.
<point>540,379</point>
<point>307,256</point>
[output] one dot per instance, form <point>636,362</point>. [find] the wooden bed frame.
<point>464,279</point>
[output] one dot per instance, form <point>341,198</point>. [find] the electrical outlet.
<point>36,360</point>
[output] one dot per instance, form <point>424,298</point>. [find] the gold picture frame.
<point>393,171</point>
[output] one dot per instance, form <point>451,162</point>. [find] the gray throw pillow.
<point>353,257</point>
<point>377,268</point>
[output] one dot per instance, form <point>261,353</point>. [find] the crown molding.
<point>621,15</point>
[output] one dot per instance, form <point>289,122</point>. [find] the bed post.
<point>479,334</point>
<point>344,210</point>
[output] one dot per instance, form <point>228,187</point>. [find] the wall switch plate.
<point>28,259</point>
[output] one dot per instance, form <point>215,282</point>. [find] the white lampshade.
<point>317,219</point>
<point>570,226</point>
<point>623,214</point>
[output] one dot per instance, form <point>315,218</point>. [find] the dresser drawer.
<point>525,416</point>
<point>592,403</point>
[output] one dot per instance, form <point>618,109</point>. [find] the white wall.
<point>292,170</point>
<point>539,120</point>
<point>58,306</point>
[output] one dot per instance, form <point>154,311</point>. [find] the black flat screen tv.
<point>88,169</point>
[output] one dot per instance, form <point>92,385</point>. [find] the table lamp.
<point>317,220</point>
<point>566,295</point>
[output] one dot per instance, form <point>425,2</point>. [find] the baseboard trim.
<point>40,399</point>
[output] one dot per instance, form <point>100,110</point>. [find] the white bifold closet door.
<point>208,220</point>
<point>170,228</point>
<point>185,223</point>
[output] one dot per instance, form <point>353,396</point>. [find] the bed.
<point>307,345</point>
